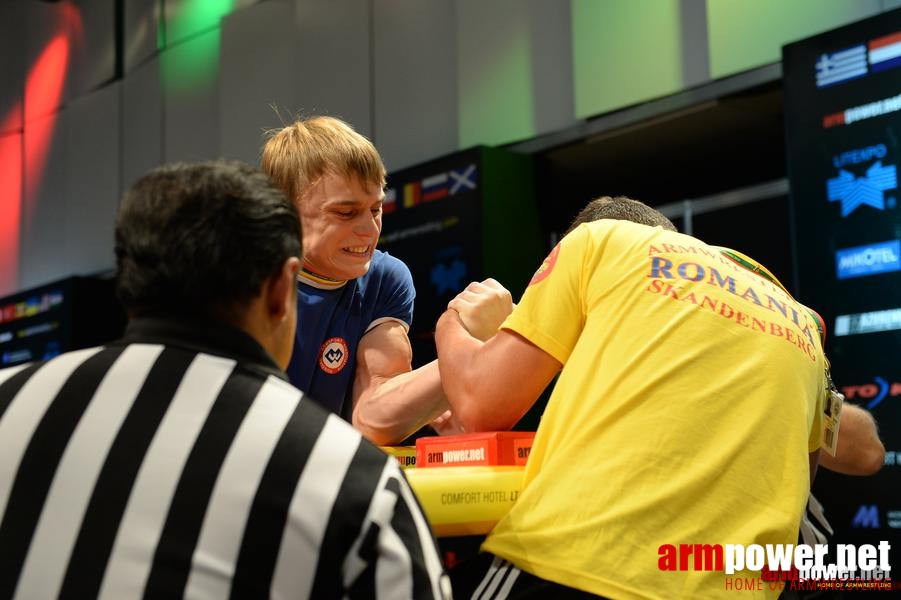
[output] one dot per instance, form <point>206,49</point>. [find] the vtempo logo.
<point>870,189</point>
<point>859,155</point>
<point>882,257</point>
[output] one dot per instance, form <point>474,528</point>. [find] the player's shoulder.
<point>387,265</point>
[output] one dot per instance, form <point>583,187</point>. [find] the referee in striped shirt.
<point>178,461</point>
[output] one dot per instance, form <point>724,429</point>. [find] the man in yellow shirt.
<point>687,409</point>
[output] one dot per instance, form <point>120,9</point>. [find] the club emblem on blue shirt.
<point>333,355</point>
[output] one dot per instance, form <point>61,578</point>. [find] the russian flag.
<point>885,52</point>
<point>434,187</point>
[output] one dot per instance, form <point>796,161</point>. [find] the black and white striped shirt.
<point>180,463</point>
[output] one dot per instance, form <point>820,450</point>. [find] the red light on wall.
<point>43,92</point>
<point>10,206</point>
<point>43,95</point>
<point>44,86</point>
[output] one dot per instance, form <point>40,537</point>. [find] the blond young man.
<point>351,352</point>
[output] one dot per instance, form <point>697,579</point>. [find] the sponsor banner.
<point>870,322</point>
<point>435,228</point>
<point>843,157</point>
<point>30,307</point>
<point>872,393</point>
<point>893,519</point>
<point>872,259</point>
<point>863,112</point>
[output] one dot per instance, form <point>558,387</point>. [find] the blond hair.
<point>297,155</point>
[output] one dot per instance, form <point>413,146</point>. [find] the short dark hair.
<point>623,209</point>
<point>201,239</point>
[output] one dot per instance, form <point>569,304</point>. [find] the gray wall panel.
<point>512,56</point>
<point>493,70</point>
<point>333,49</point>
<point>141,31</point>
<point>42,245</point>
<point>415,82</point>
<point>257,73</point>
<point>12,67</point>
<point>550,29</point>
<point>92,149</point>
<point>190,107</point>
<point>92,33</point>
<point>142,121</point>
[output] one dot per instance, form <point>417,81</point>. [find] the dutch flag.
<point>885,52</point>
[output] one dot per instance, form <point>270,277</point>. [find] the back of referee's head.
<point>203,240</point>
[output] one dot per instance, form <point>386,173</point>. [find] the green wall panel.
<point>191,65</point>
<point>745,34</point>
<point>495,74</point>
<point>624,52</point>
<point>186,18</point>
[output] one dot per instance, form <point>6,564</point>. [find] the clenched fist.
<point>482,307</point>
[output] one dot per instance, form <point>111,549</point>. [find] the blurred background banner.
<point>843,119</point>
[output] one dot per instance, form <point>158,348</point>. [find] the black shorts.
<point>487,577</point>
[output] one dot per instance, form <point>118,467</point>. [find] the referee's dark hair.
<point>201,239</point>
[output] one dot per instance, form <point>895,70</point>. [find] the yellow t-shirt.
<point>690,396</point>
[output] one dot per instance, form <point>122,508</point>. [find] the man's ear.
<point>282,290</point>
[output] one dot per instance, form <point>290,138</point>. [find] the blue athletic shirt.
<point>331,319</point>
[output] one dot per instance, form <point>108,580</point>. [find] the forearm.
<point>458,351</point>
<point>490,385</point>
<point>389,409</point>
<point>859,450</point>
